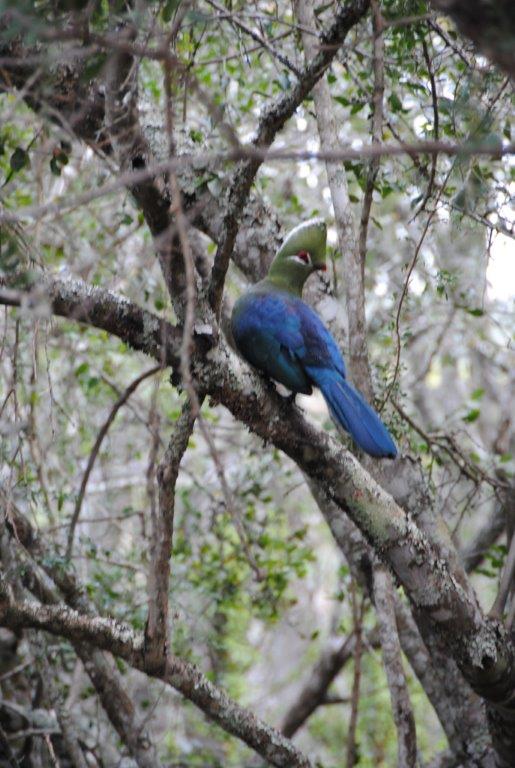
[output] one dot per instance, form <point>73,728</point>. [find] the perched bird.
<point>282,336</point>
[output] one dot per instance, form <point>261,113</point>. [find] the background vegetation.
<point>261,597</point>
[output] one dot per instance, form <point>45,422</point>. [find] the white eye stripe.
<point>299,260</point>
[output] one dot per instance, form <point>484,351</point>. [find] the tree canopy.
<point>170,523</point>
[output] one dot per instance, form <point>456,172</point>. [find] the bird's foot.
<point>289,399</point>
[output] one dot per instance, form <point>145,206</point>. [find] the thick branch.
<point>435,586</point>
<point>117,704</point>
<point>110,635</point>
<point>474,553</point>
<point>156,630</point>
<point>314,689</point>
<point>458,709</point>
<point>122,640</point>
<point>75,300</point>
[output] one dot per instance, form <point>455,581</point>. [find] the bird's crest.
<point>310,236</point>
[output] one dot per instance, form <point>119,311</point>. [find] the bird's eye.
<point>304,256</point>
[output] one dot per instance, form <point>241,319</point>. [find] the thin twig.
<point>447,443</point>
<point>404,293</point>
<point>436,124</point>
<point>191,297</point>
<point>257,37</point>
<point>95,451</point>
<point>259,155</point>
<point>395,675</point>
<point>357,614</point>
<point>377,124</point>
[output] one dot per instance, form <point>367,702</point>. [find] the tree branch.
<point>358,361</point>
<point>96,449</point>
<point>272,120</point>
<point>458,710</point>
<point>399,694</point>
<point>435,585</point>
<point>44,581</point>
<point>141,330</point>
<point>314,690</point>
<point>474,553</point>
<point>489,25</point>
<point>110,635</point>
<point>156,630</point>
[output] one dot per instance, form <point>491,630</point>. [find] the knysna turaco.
<point>281,335</point>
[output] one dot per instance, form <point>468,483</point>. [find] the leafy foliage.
<point>256,591</point>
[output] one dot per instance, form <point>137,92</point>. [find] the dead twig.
<point>404,293</point>
<point>378,25</point>
<point>436,125</point>
<point>258,38</point>
<point>96,449</point>
<point>272,120</point>
<point>314,690</point>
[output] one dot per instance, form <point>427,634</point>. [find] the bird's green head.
<point>302,252</point>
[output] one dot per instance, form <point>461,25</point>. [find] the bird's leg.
<point>286,395</point>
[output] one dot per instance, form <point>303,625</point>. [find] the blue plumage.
<point>283,337</point>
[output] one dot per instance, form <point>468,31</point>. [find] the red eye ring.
<point>304,255</point>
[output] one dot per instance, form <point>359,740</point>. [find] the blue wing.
<point>282,336</point>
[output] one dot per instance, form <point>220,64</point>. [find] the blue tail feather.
<point>354,414</point>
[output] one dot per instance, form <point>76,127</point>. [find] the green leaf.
<point>472,415</point>
<point>55,166</point>
<point>477,394</point>
<point>169,9</point>
<point>80,369</point>
<point>196,136</point>
<point>395,102</point>
<point>19,159</point>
